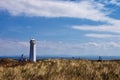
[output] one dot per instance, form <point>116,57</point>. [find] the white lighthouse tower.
<point>32,56</point>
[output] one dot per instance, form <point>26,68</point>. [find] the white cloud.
<point>102,35</point>
<point>114,28</point>
<point>85,9</point>
<point>44,48</point>
<point>101,28</point>
<point>10,47</point>
<point>79,49</point>
<point>116,2</point>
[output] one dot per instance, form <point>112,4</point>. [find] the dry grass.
<point>59,69</point>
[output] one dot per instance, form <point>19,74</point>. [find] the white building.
<point>32,55</point>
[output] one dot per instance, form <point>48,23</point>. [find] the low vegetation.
<point>59,69</point>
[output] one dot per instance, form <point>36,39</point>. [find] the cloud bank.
<point>49,48</point>
<point>85,9</point>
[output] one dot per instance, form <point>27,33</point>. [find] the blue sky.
<point>60,27</point>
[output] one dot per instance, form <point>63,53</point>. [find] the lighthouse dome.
<point>32,41</point>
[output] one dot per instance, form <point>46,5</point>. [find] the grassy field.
<point>59,69</point>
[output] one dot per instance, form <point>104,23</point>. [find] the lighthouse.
<point>32,55</point>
